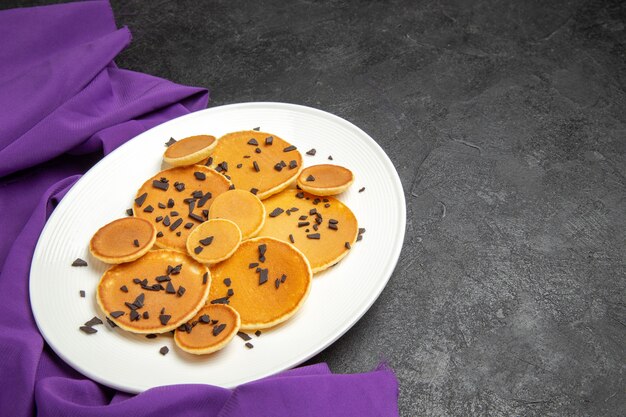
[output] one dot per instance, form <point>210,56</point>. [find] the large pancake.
<point>166,308</point>
<point>333,239</point>
<point>123,240</point>
<point>174,228</point>
<point>262,302</point>
<point>325,179</point>
<point>238,150</point>
<point>210,330</point>
<point>241,207</point>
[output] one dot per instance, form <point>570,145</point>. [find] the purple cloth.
<point>63,105</point>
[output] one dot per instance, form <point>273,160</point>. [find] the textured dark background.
<point>506,121</point>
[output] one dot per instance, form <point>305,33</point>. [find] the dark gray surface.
<point>507,124</point>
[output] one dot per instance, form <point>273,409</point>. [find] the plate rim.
<point>374,295</point>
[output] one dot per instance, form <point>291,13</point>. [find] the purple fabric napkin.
<point>63,105</point>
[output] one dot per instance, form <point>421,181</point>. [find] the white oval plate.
<point>338,298</point>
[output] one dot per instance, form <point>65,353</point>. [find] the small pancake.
<point>330,247</point>
<point>169,299</point>
<point>190,150</point>
<point>278,162</point>
<point>176,222</point>
<point>213,241</point>
<point>241,207</point>
<point>210,330</point>
<point>325,179</point>
<point>258,294</point>
<point>123,240</point>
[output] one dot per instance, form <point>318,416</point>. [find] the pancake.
<point>336,232</point>
<point>278,162</point>
<point>173,219</point>
<point>260,294</point>
<point>210,330</point>
<point>189,151</point>
<point>325,179</point>
<point>213,241</point>
<point>123,240</point>
<point>171,293</point>
<point>241,207</point>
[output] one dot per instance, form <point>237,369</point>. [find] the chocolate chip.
<point>276,212</point>
<point>136,243</point>
<point>198,249</point>
<point>148,209</point>
<point>174,213</point>
<point>311,152</point>
<point>256,166</point>
<point>227,282</point>
<point>166,221</point>
<point>170,142</point>
<point>332,226</point>
<point>291,239</point>
<point>196,217</point>
<point>151,336</point>
<point>361,230</point>
<point>116,314</point>
<point>283,278</point>
<point>88,330</point>
<point>253,142</point>
<point>124,288</point>
<point>218,329</point>
<point>164,350</point>
<point>315,226</point>
<point>180,186</point>
<point>188,225</point>
<point>244,336</point>
<point>303,224</point>
<point>175,225</point>
<point>262,249</point>
<point>110,322</point>
<point>181,291</point>
<point>300,195</point>
<point>333,221</point>
<point>209,161</point>
<point>82,293</point>
<point>257,333</point>
<point>141,199</point>
<point>160,234</point>
<point>239,165</point>
<point>263,276</point>
<point>313,236</point>
<point>205,278</point>
<point>330,157</point>
<point>257,150</point>
<point>293,164</point>
<point>223,300</point>
<point>170,203</point>
<point>160,185</point>
<point>134,315</point>
<point>347,245</point>
<point>249,345</point>
<point>93,322</point>
<point>277,283</point>
<point>204,318</point>
<point>129,212</point>
<point>206,241</point>
<point>170,288</point>
<point>278,167</point>
<point>164,318</point>
<point>269,140</point>
<point>289,148</point>
<point>359,238</point>
<point>201,176</point>
<point>254,191</point>
<point>79,262</point>
<point>253,265</point>
<point>362,189</point>
<point>146,315</point>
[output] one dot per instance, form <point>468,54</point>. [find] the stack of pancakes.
<point>223,240</point>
